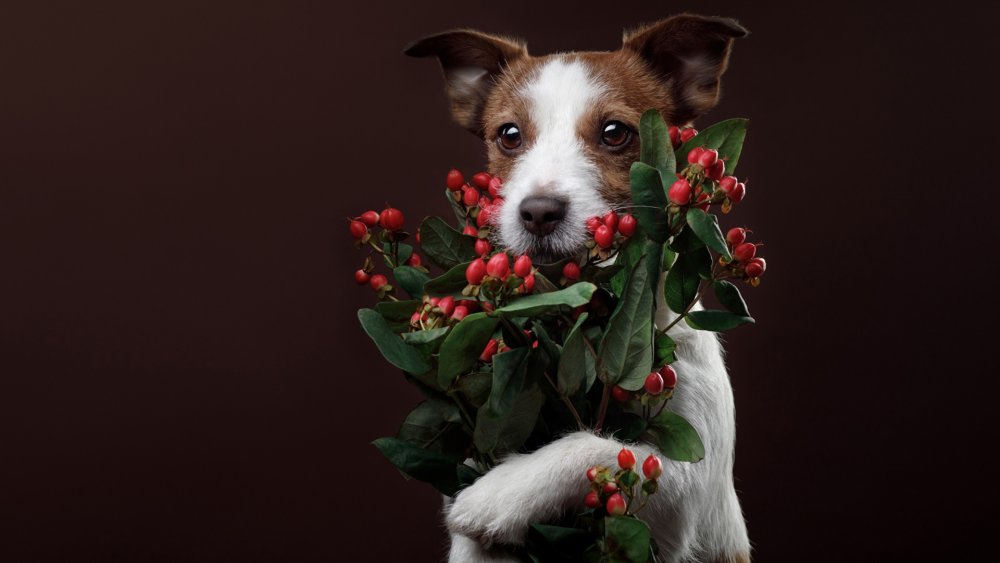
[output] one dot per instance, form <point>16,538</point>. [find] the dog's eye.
<point>615,134</point>
<point>509,136</point>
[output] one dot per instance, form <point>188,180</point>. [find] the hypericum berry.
<point>470,197</point>
<point>592,474</point>
<point>358,230</point>
<point>369,218</point>
<point>592,224</point>
<point>738,193</point>
<point>482,247</point>
<point>611,220</point>
<point>522,266</point>
<point>604,236</point>
<point>744,252</point>
<point>680,192</point>
<point>415,319</point>
<point>627,224</point>
<point>736,236</point>
<point>447,305</point>
<point>413,260</point>
<point>460,312</point>
<point>571,271</point>
<point>727,183</point>
<point>688,133</point>
<point>485,214</point>
<point>498,266</point>
<point>615,505</point>
<point>377,281</point>
<point>694,155</point>
<point>529,284</point>
<point>654,383</point>
<point>669,376</point>
<point>361,277</point>
<point>609,487</point>
<point>491,348</point>
<point>470,230</point>
<point>626,459</point>
<point>592,500</point>
<point>652,468</point>
<point>619,394</point>
<point>755,267</point>
<point>391,219</point>
<point>496,184</point>
<point>703,202</point>
<point>708,157</point>
<point>475,272</point>
<point>716,171</point>
<point>675,136</point>
<point>454,180</point>
<point>481,180</point>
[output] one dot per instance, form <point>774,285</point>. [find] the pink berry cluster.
<point>494,279</point>
<point>609,229</point>
<point>658,385</point>
<point>703,182</point>
<point>617,491</point>
<point>390,220</point>
<point>436,312</point>
<point>480,201</point>
<point>681,135</point>
<point>745,263</point>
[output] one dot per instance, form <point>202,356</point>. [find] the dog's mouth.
<point>548,250</point>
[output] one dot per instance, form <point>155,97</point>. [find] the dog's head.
<point>562,130</point>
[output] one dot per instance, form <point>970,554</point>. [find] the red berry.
<point>708,157</point>
<point>592,474</point>
<point>358,229</point>
<point>680,192</point>
<point>736,236</point>
<point>703,197</point>
<point>627,224</point>
<point>415,319</point>
<point>361,277</point>
<point>654,383</point>
<point>694,155</point>
<point>447,305</point>
<point>377,281</point>
<point>755,268</point>
<point>529,284</point>
<point>454,180</point>
<point>414,260</point>
<point>727,183</point>
<point>675,136</point>
<point>496,184</point>
<point>591,500</point>
<point>481,180</point>
<point>460,312</point>
<point>604,236</point>
<point>432,300</point>
<point>487,306</point>
<point>592,224</point>
<point>688,133</point>
<point>498,266</point>
<point>522,266</point>
<point>470,230</point>
<point>744,252</point>
<point>470,304</point>
<point>485,215</point>
<point>475,272</point>
<point>669,377</point>
<point>571,271</point>
<point>470,197</point>
<point>615,505</point>
<point>626,459</point>
<point>716,171</point>
<point>609,487</point>
<point>738,193</point>
<point>611,220</point>
<point>620,394</point>
<point>491,348</point>
<point>418,236</point>
<point>482,247</point>
<point>652,468</point>
<point>369,218</point>
<point>391,219</point>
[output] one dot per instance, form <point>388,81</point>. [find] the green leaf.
<point>730,298</point>
<point>654,255</point>
<point>626,349</point>
<point>397,313</point>
<point>510,369</point>
<point>404,251</point>
<point>458,209</point>
<point>665,347</point>
<point>681,285</point>
<point>626,426</point>
<point>715,321</point>
<point>508,432</point>
<point>436,425</point>
<point>706,226</point>
<point>674,436</point>
<point>474,388</point>
<point>649,201</point>
<point>628,255</point>
<point>420,464</point>
<point>577,364</point>
<point>627,539</point>
<point>536,304</point>
<point>725,136</point>
<point>654,143</point>
<point>445,246</point>
<point>451,282</point>
<point>558,544</point>
<point>460,350</point>
<point>392,347</point>
<point>410,279</point>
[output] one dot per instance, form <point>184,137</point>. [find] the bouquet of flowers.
<point>511,354</point>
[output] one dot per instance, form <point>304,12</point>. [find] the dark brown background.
<point>181,370</point>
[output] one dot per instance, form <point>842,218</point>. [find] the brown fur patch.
<point>734,558</point>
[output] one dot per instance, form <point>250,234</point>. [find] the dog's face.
<point>562,130</point>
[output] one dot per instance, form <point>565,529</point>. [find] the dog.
<point>562,130</point>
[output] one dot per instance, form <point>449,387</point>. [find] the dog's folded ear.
<point>689,53</point>
<point>471,60</point>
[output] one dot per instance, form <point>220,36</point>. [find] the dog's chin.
<point>545,250</point>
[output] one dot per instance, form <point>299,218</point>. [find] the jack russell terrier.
<point>562,130</point>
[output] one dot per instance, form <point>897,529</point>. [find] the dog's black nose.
<point>541,215</point>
